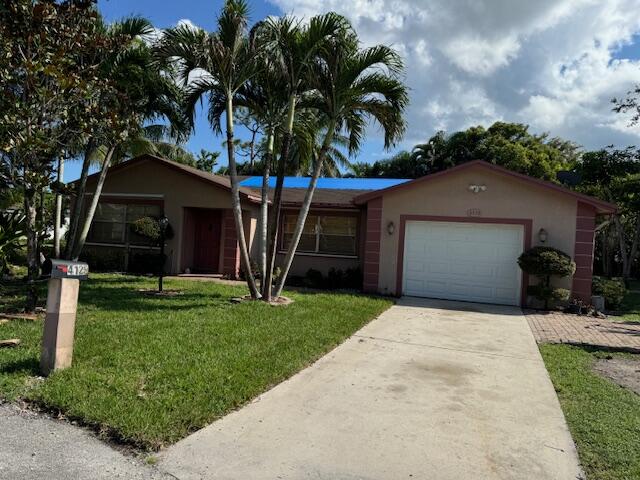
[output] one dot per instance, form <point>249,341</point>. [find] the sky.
<point>552,64</point>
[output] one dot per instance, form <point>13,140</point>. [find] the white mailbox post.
<point>60,321</point>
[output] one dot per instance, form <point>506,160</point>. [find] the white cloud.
<point>548,63</point>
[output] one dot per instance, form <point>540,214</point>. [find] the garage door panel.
<point>436,268</point>
<point>463,261</point>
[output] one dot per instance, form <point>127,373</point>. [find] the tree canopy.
<point>509,145</point>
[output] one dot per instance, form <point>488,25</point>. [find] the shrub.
<point>612,289</point>
<point>103,259</point>
<point>146,262</point>
<point>148,228</point>
<point>11,233</point>
<point>542,292</point>
<point>545,262</point>
<point>313,279</point>
<point>335,279</point>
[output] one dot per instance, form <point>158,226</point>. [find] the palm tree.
<point>224,60</point>
<point>350,87</point>
<point>139,92</point>
<point>264,98</point>
<point>306,143</point>
<point>293,48</point>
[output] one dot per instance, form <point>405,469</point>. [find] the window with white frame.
<point>112,222</point>
<point>323,234</point>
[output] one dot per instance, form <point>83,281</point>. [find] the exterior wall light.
<point>477,188</point>
<point>391,227</point>
<point>542,235</point>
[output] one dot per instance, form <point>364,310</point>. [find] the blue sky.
<point>552,64</point>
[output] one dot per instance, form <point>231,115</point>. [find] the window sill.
<point>120,245</point>
<point>325,255</point>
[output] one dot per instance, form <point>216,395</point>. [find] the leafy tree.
<point>614,176</point>
<point>509,145</point>
<point>401,165</point>
<point>45,78</point>
<point>629,104</point>
<point>207,160</point>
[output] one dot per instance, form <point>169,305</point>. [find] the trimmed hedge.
<point>545,262</point>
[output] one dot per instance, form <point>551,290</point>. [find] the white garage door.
<point>473,262</point>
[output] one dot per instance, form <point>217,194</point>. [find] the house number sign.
<point>474,212</point>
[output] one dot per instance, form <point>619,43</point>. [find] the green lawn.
<point>631,304</point>
<point>604,418</point>
<point>151,370</point>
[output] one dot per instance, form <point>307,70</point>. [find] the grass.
<point>631,304</point>
<point>150,370</point>
<point>604,418</point>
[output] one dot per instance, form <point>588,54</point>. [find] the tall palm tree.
<point>293,48</point>
<point>140,92</point>
<point>224,60</point>
<point>349,87</point>
<point>264,97</point>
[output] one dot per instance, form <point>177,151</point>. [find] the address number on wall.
<point>474,212</point>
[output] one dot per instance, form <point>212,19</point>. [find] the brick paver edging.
<point>557,327</point>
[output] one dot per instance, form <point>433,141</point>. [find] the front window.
<point>323,234</point>
<point>112,222</point>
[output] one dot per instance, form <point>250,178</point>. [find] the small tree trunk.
<point>235,204</point>
<point>627,260</point>
<point>57,227</point>
<point>304,210</point>
<point>40,225</point>
<point>632,252</point>
<point>274,220</point>
<point>84,232</point>
<point>264,207</point>
<point>76,211</point>
<point>33,271</point>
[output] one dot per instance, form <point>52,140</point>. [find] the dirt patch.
<point>276,302</point>
<point>623,371</point>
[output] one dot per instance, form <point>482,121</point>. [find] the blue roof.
<point>329,183</point>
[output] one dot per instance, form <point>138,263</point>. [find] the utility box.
<point>60,320</point>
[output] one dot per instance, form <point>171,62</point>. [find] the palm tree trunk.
<point>274,220</point>
<point>78,203</point>
<point>82,237</point>
<point>245,262</point>
<point>304,210</point>
<point>57,228</point>
<point>264,206</point>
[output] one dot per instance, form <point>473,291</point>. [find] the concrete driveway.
<point>430,390</point>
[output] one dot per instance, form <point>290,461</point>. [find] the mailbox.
<point>62,304</point>
<point>66,269</point>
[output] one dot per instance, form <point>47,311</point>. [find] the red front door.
<point>207,241</point>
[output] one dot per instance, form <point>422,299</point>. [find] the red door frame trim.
<point>527,223</point>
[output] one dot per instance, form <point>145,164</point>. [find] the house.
<point>455,234</point>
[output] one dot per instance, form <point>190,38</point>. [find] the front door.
<point>206,253</point>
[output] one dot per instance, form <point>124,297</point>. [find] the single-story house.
<point>455,234</point>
